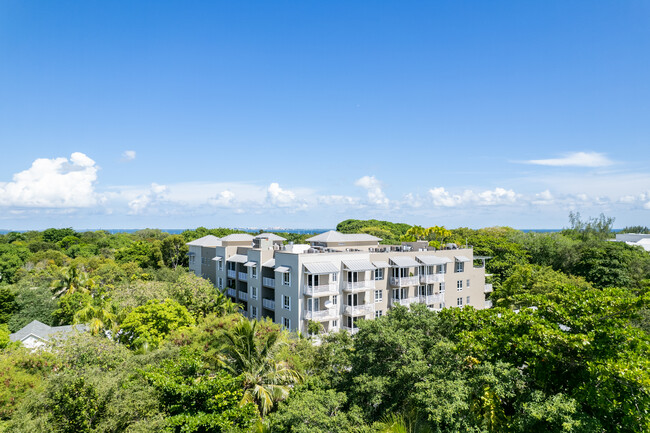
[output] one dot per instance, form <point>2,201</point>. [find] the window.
<point>467,301</point>
<point>253,271</point>
<point>379,274</point>
<point>192,257</point>
<point>335,323</point>
<point>253,311</point>
<point>467,285</point>
<point>442,305</point>
<point>286,323</point>
<point>254,292</point>
<point>378,314</point>
<point>335,277</point>
<point>220,283</point>
<point>459,302</point>
<point>460,267</point>
<point>441,269</point>
<point>335,299</point>
<point>442,287</point>
<point>379,295</point>
<point>286,302</point>
<point>203,260</point>
<point>286,279</point>
<point>220,265</point>
<point>459,285</point>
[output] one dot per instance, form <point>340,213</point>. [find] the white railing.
<point>269,304</point>
<point>405,302</point>
<point>232,292</point>
<point>404,281</point>
<point>358,310</point>
<point>350,330</point>
<point>243,296</point>
<point>488,304</point>
<point>321,289</point>
<point>268,282</point>
<point>488,288</point>
<point>431,299</point>
<point>321,315</point>
<point>358,285</point>
<point>232,274</point>
<point>432,278</point>
<point>243,276</point>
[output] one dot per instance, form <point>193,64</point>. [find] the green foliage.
<point>199,296</point>
<point>68,305</point>
<point>56,235</point>
<point>594,228</point>
<point>636,229</point>
<point>12,257</point>
<point>146,255</point>
<point>32,303</point>
<point>174,251</point>
<point>149,324</point>
<point>396,230</point>
<point>7,303</point>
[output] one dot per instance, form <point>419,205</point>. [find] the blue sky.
<point>301,114</point>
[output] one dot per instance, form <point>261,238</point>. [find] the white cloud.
<point>278,196</point>
<point>128,155</point>
<point>53,183</point>
<point>575,159</point>
<point>498,196</point>
<point>223,199</point>
<point>544,198</point>
<point>338,200</point>
<point>373,188</point>
<point>155,194</point>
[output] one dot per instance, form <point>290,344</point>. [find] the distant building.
<point>338,278</point>
<point>37,334</point>
<point>635,239</point>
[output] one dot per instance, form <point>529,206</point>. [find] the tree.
<point>265,379</point>
<point>149,324</point>
<point>71,281</point>
<point>174,251</point>
<point>7,303</point>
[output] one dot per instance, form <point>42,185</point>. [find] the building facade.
<point>338,278</point>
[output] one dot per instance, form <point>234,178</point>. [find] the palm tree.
<point>266,380</point>
<point>400,423</point>
<point>97,317</point>
<point>72,281</point>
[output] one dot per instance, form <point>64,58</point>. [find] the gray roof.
<point>461,259</point>
<point>433,260</point>
<point>381,264</point>
<point>206,241</point>
<point>238,237</point>
<point>238,258</point>
<point>358,265</point>
<point>43,331</point>
<point>269,263</point>
<point>321,268</point>
<point>270,236</point>
<point>283,269</point>
<point>404,262</point>
<point>334,236</point>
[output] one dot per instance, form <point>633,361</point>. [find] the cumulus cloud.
<point>278,196</point>
<point>373,188</point>
<point>53,183</point>
<point>575,159</point>
<point>338,200</point>
<point>128,155</point>
<point>544,198</point>
<point>155,193</point>
<point>498,196</point>
<point>223,199</point>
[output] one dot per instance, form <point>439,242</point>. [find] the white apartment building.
<point>338,278</point>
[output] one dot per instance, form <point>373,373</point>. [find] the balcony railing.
<point>243,296</point>
<point>488,304</point>
<point>231,292</point>
<point>431,299</point>
<point>269,304</point>
<point>268,282</point>
<point>350,330</point>
<point>358,286</point>
<point>488,288</point>
<point>405,302</point>
<point>243,276</point>
<point>404,281</point>
<point>321,289</point>
<point>359,310</point>
<point>432,278</point>
<point>321,315</point>
<point>232,273</point>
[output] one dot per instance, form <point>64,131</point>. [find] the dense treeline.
<point>565,349</point>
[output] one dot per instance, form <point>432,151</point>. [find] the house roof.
<point>43,331</point>
<point>269,263</point>
<point>321,268</point>
<point>404,262</point>
<point>206,241</point>
<point>433,260</point>
<point>270,236</point>
<point>238,258</point>
<point>334,236</point>
<point>238,237</point>
<point>358,265</point>
<point>461,259</point>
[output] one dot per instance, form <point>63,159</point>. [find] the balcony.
<point>243,276</point>
<point>321,289</point>
<point>405,302</point>
<point>269,304</point>
<point>243,296</point>
<point>488,288</point>
<point>488,304</point>
<point>322,315</point>
<point>404,281</point>
<point>268,282</point>
<point>359,310</point>
<point>232,273</point>
<point>432,278</point>
<point>358,286</point>
<point>431,299</point>
<point>231,292</point>
<point>350,330</point>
